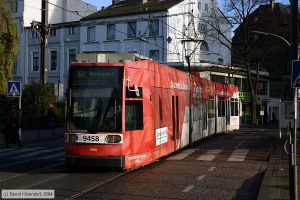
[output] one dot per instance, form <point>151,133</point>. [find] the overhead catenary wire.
<point>76,13</point>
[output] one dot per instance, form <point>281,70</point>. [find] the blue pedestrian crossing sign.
<point>296,73</point>
<point>13,88</point>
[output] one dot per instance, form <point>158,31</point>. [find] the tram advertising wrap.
<point>128,114</point>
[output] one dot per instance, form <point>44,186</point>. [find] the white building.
<point>64,37</point>
<point>156,29</point>
<point>153,28</point>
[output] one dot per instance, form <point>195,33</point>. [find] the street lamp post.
<point>293,143</point>
<point>271,34</point>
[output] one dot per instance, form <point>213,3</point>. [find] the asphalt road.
<point>227,166</point>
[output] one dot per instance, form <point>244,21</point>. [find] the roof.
<point>132,7</point>
<point>266,9</point>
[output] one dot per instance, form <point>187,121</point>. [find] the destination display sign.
<point>97,75</point>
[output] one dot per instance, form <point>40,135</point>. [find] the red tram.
<point>129,114</point>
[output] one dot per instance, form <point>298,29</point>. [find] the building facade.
<point>158,29</point>
<point>63,39</point>
<point>163,30</point>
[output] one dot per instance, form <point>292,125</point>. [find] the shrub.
<point>36,99</point>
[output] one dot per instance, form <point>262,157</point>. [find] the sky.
<point>99,3</point>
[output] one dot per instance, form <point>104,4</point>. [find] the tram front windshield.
<point>95,99</point>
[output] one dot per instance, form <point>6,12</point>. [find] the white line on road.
<point>57,155</point>
<point>238,155</point>
<point>211,169</point>
<point>188,188</point>
<point>28,172</point>
<point>182,155</point>
<point>237,146</point>
<point>45,181</point>
<point>18,151</point>
<point>210,155</point>
<point>200,178</point>
<point>38,152</point>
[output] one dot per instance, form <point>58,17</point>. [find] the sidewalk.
<point>275,184</point>
<point>30,137</point>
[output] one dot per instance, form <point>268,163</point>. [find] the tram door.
<point>175,121</point>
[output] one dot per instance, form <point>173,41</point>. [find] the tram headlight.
<point>113,138</point>
<point>73,138</point>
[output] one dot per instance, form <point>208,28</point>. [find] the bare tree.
<point>249,51</point>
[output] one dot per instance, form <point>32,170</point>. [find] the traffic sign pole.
<point>14,90</point>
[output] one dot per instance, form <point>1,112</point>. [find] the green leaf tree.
<point>9,42</point>
<point>36,99</point>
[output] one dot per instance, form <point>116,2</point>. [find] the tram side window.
<point>211,107</point>
<point>221,108</point>
<point>134,115</point>
<point>234,107</point>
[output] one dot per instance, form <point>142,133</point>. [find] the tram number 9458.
<point>93,138</point>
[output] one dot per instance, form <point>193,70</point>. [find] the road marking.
<point>182,155</point>
<point>238,155</point>
<point>210,155</point>
<point>200,178</point>
<point>188,188</point>
<point>44,181</point>
<point>19,162</point>
<point>211,169</point>
<point>28,172</point>
<point>237,146</point>
<point>38,152</point>
<point>17,151</point>
<point>57,155</point>
<point>5,150</point>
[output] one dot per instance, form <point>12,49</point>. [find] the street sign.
<point>296,73</point>
<point>13,88</point>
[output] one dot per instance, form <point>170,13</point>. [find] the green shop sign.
<point>245,95</point>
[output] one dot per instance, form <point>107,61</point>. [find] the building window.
<point>221,108</point>
<point>34,34</point>
<point>53,60</point>
<point>262,87</point>
<point>52,32</point>
<point>131,30</point>
<point>72,55</point>
<point>111,32</point>
<point>71,30</point>
<point>16,7</point>
<point>91,34</point>
<point>211,107</point>
<point>154,28</point>
<point>199,5</point>
<point>206,7</point>
<point>220,60</point>
<point>154,54</point>
<point>204,46</point>
<point>35,61</point>
<point>202,27</point>
<point>234,107</point>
